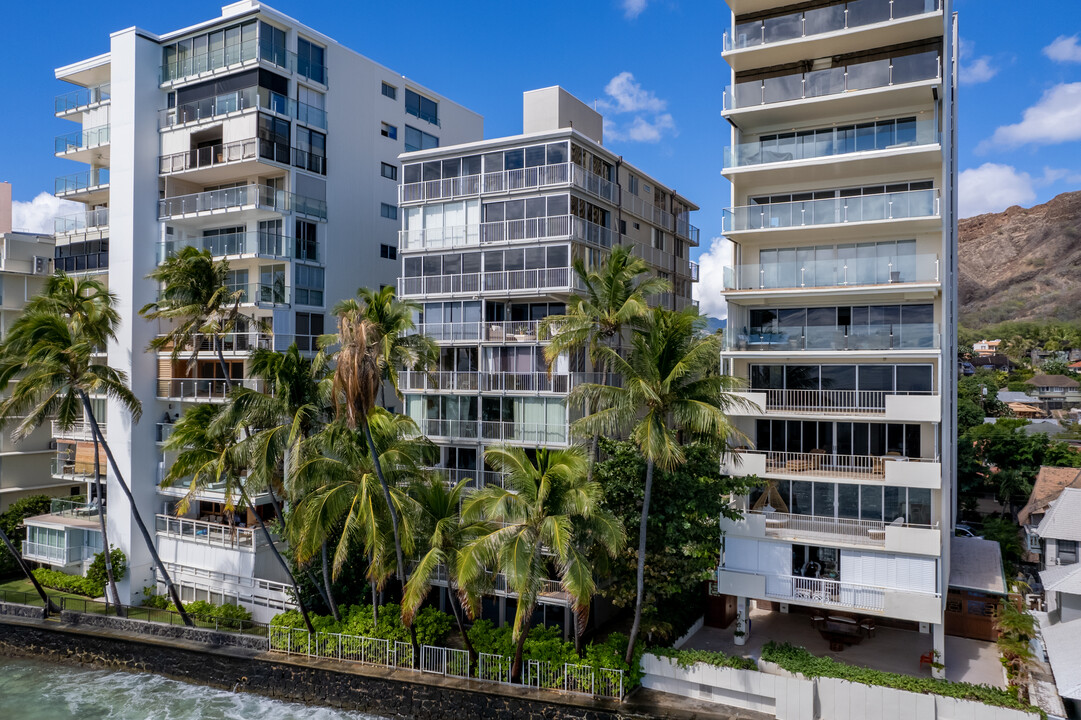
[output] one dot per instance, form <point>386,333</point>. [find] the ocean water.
<point>32,690</point>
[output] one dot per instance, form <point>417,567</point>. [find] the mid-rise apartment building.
<point>274,147</point>
<point>489,232</point>
<point>842,305</point>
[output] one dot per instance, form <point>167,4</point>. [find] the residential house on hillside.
<point>1050,482</point>
<point>1021,404</point>
<point>994,361</point>
<point>1056,391</point>
<point>986,347</point>
<point>1060,529</point>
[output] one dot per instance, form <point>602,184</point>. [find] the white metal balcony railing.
<point>58,555</point>
<point>252,242</point>
<point>236,342</point>
<point>201,388</point>
<point>236,198</point>
<point>830,465</point>
<point>839,402</point>
<point>164,432</point>
<point>555,279</point>
<point>476,478</point>
<point>532,382</point>
<point>835,272</point>
<point>496,431</point>
<point>549,586</point>
<point>898,336</point>
<point>78,431</point>
<point>826,592</point>
<point>834,81</point>
<point>214,156</point>
<point>248,98</point>
<point>65,469</point>
<point>92,179</point>
<point>475,331</point>
<point>812,527</point>
<point>833,18</point>
<point>82,221</point>
<point>82,139</point>
<point>910,204</point>
<point>210,533</point>
<point>63,507</point>
<point>506,231</point>
<point>83,97</point>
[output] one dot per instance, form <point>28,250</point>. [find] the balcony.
<point>53,555</point>
<point>236,343</point>
<point>81,471</point>
<point>210,533</point>
<point>83,222</point>
<point>559,227</point>
<point>507,282</point>
<point>551,591</point>
<point>197,64</point>
<point>506,181</point>
<point>511,433</point>
<point>250,244</point>
<point>893,406</point>
<point>89,186</point>
<point>832,92</point>
<point>78,431</point>
<point>846,338</point>
<point>71,105</point>
<point>88,146</point>
<point>912,207</point>
<point>496,331</point>
<point>211,157</point>
<point>891,470</point>
<point>475,479</point>
<point>833,30</point>
<point>201,389</point>
<point>895,536</point>
<point>246,197</point>
<point>781,278</point>
<point>694,271</point>
<point>511,382</point>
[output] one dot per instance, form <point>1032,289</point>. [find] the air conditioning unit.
<point>41,265</point>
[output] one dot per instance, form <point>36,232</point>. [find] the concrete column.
<point>938,639</point>
<point>742,626</point>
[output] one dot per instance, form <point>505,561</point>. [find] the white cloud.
<point>993,188</point>
<point>37,215</point>
<point>627,96</point>
<point>633,8</point>
<point>979,70</point>
<point>1064,49</point>
<point>1053,175</point>
<point>711,264</point>
<point>1056,118</point>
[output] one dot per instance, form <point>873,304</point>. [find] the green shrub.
<point>686,658</point>
<point>96,572</point>
<point>226,615</point>
<point>151,600</point>
<point>432,625</point>
<point>68,583</point>
<point>798,660</point>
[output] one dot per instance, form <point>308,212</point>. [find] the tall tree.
<point>615,297</point>
<point>48,361</point>
<point>672,392</point>
<point>536,515</point>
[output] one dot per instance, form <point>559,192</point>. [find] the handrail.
<point>82,221</point>
<point>209,533</point>
<point>250,242</point>
<point>82,139</point>
<point>502,281</point>
<point>831,465</point>
<point>237,197</point>
<point>845,402</point>
<point>833,272</point>
<point>83,97</point>
<point>784,338</point>
<point>81,181</point>
<point>506,231</point>
<point>833,211</point>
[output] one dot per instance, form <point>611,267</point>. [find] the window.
<point>421,107</point>
<point>271,285</point>
<point>632,184</point>
<point>390,212</point>
<point>419,140</point>
<point>273,138</point>
<point>1067,552</point>
<point>388,131</point>
<point>311,107</point>
<point>311,151</point>
<point>309,328</point>
<point>390,172</point>
<point>310,61</point>
<point>307,248</point>
<point>308,287</point>
<point>390,91</point>
<point>210,51</point>
<point>88,255</point>
<point>272,44</point>
<point>388,251</point>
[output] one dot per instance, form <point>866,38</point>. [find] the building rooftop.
<point>1063,519</point>
<point>1050,482</point>
<point>1007,396</point>
<point>1063,642</point>
<point>1062,578</point>
<point>1059,381</point>
<point>976,564</point>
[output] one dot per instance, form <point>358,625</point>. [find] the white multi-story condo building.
<point>489,232</point>
<point>842,307</point>
<point>274,147</point>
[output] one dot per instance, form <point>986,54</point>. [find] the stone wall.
<point>153,629</point>
<point>26,611</point>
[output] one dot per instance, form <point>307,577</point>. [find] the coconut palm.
<point>208,453</point>
<point>535,516</point>
<point>49,605</point>
<point>393,319</point>
<point>615,297</point>
<point>48,361</point>
<point>672,393</point>
<point>198,302</point>
<point>441,529</point>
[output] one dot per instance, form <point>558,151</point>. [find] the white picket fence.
<point>582,679</point>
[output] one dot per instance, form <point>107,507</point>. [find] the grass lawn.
<point>22,585</point>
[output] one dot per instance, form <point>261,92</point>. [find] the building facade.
<point>489,233</point>
<point>274,147</point>
<point>841,307</point>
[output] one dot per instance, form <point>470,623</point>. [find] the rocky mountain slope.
<point>1022,264</point>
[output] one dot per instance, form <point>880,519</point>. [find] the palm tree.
<point>393,320</point>
<point>672,392</point>
<point>47,602</point>
<point>440,526</point>
<point>197,300</point>
<point>536,514</point>
<point>50,356</point>
<point>208,452</point>
<point>615,297</point>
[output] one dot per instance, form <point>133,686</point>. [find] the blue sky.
<point>656,63</point>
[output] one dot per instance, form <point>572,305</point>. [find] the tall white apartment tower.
<point>274,147</point>
<point>842,305</point>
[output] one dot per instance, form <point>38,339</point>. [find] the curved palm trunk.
<point>115,594</point>
<point>458,611</point>
<point>49,605</point>
<point>375,594</point>
<point>519,645</point>
<point>326,584</point>
<point>641,580</point>
<point>147,540</point>
<point>219,345</point>
<point>285,566</point>
<point>393,522</point>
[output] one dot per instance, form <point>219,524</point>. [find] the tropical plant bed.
<point>797,660</point>
<point>688,658</point>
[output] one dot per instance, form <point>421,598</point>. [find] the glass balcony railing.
<point>237,198</point>
<point>82,221</point>
<point>293,63</point>
<point>311,115</point>
<point>831,142</point>
<point>551,279</point>
<point>254,242</point>
<point>199,63</point>
<point>834,272</point>
<point>831,211</point>
<point>506,231</point>
<point>818,21</point>
<point>82,181</point>
<point>239,100</point>
<point>834,81</point>
<point>83,97</point>
<point>82,139</point>
<point>896,336</point>
<point>211,156</point>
